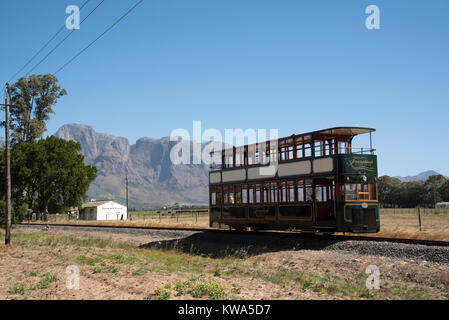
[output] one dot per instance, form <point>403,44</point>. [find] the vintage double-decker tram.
<point>319,183</point>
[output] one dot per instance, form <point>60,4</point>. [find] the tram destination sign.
<point>358,164</point>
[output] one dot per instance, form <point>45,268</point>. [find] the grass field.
<point>400,223</point>
<point>119,269</point>
<point>404,223</point>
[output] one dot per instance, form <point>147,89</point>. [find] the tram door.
<point>324,199</point>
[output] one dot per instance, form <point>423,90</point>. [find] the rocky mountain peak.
<point>153,179</point>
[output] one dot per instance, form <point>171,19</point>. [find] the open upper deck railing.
<point>362,151</point>
<point>317,144</point>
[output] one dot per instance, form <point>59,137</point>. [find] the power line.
<point>60,42</point>
<point>98,38</point>
<point>43,47</point>
<point>101,35</point>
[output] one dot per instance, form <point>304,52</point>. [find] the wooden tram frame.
<point>309,212</point>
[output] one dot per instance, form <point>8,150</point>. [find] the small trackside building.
<point>105,210</point>
<point>442,205</point>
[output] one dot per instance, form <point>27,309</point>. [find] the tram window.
<point>238,194</point>
<point>229,162</point>
<point>300,190</point>
<point>258,194</point>
<point>299,151</point>
<point>351,192</point>
<point>229,158</point>
<point>363,191</point>
<point>213,198</point>
<point>268,156</point>
<point>231,198</point>
<point>219,198</point>
<point>266,192</point>
<point>251,194</point>
<point>244,195</point>
<point>282,154</point>
<point>265,154</point>
<point>282,192</point>
<point>273,192</point>
<point>318,194</point>
<point>343,147</point>
<point>329,144</point>
<point>240,157</point>
<point>251,154</point>
<point>307,150</point>
<point>309,191</point>
<point>363,188</point>
<point>325,195</point>
<point>290,153</point>
<point>291,191</point>
<point>319,150</point>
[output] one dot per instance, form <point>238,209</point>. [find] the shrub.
<point>163,293</point>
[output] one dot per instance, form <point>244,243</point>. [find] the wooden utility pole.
<point>8,170</point>
<point>127,212</point>
<point>419,219</point>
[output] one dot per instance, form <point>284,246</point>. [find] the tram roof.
<point>345,131</point>
<point>337,131</point>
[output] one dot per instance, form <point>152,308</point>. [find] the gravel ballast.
<point>247,244</point>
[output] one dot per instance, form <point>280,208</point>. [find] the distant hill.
<point>153,179</point>
<point>420,177</point>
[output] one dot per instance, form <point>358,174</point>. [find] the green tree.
<point>50,174</point>
<point>412,194</point>
<point>433,187</point>
<point>26,160</point>
<point>33,100</point>
<point>444,191</point>
<point>389,191</point>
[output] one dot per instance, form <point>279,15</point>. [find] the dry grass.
<point>406,225</point>
<point>400,223</point>
<point>135,223</point>
<point>145,219</point>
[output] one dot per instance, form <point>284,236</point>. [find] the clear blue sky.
<point>293,65</point>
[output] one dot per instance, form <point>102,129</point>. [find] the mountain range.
<point>154,180</point>
<point>419,177</point>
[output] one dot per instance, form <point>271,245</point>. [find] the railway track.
<point>272,233</point>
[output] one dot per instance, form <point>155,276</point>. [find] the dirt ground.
<point>112,266</point>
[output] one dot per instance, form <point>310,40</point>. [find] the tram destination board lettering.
<point>360,164</point>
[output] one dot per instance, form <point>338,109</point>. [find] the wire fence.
<point>415,220</point>
<point>415,211</point>
<point>408,220</point>
<point>171,217</point>
<point>191,217</point>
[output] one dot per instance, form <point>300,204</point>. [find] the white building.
<point>103,211</point>
<point>442,205</point>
